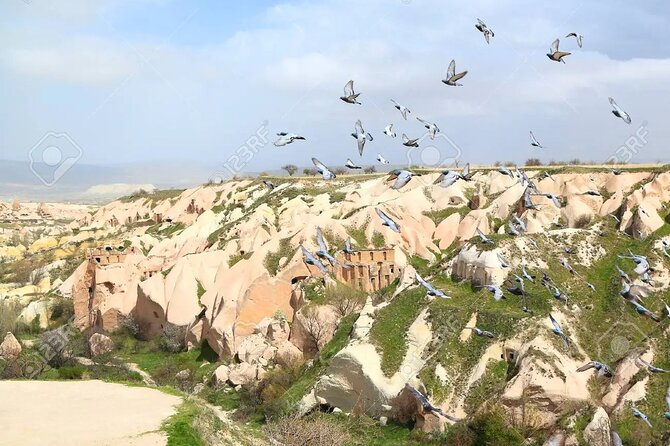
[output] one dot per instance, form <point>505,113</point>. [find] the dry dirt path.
<point>82,413</point>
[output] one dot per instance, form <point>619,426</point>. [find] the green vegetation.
<point>492,383</point>
<point>442,214</point>
<point>179,428</point>
<point>235,258</point>
<point>308,376</point>
<point>378,240</point>
<point>154,197</point>
<point>272,259</point>
<point>358,235</point>
<point>389,330</point>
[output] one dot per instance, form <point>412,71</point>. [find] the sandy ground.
<point>82,413</point>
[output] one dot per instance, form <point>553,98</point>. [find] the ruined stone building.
<point>370,269</point>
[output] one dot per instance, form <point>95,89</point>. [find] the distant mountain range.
<point>88,183</point>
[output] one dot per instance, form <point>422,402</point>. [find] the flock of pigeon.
<point>634,294</point>
<point>451,79</point>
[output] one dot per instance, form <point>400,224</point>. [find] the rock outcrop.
<point>10,349</point>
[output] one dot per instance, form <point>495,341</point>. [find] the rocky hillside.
<point>220,268</point>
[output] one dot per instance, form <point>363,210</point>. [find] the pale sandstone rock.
<point>288,354</point>
<point>597,432</point>
<point>242,373</point>
<point>10,349</point>
<point>221,375</point>
<point>99,344</point>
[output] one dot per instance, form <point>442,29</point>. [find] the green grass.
<point>378,240</point>
<point>358,235</point>
<point>440,215</point>
<point>236,258</point>
<point>389,330</point>
<point>154,197</point>
<point>179,427</point>
<point>491,383</point>
<point>272,259</point>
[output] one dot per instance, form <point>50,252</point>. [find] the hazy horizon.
<point>126,83</point>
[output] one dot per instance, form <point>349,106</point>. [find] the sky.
<point>142,81</point>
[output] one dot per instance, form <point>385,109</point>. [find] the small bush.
<point>378,240</point>
<point>313,431</point>
<point>345,299</point>
<point>533,162</point>
<point>71,372</point>
<point>173,339</point>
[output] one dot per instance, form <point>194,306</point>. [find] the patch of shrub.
<point>173,338</point>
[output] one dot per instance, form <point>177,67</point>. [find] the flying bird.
<point>361,136</point>
<point>505,171</point>
<point>453,78</point>
<point>650,367</point>
<point>323,250</point>
<point>525,274</point>
<point>634,293</point>
<point>388,221</point>
<point>553,198</point>
<point>558,331</point>
<point>388,130</point>
<point>432,291</point>
<point>466,175</point>
<point>286,138</point>
<point>269,184</point>
<point>602,369</point>
<point>623,274</point>
<point>323,170</point>
<point>347,246</point>
<point>564,262</point>
<point>641,416</point>
<point>520,223</point>
<point>641,262</point>
<point>495,289</point>
<point>481,27</point>
<point>309,259</point>
<point>350,97</point>
<point>503,262</point>
<point>534,142</point>
<point>402,177</point>
<point>645,312</point>
<point>381,159</point>
<point>619,112</point>
<point>431,126</point>
<point>482,333</point>
<point>546,174</point>
<point>351,165</point>
<point>427,406</point>
<point>578,37</point>
<point>447,178</point>
<point>484,239</point>
<point>511,229</point>
<point>402,109</point>
<point>407,142</point>
<point>554,53</point>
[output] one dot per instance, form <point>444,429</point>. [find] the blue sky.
<point>144,80</point>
